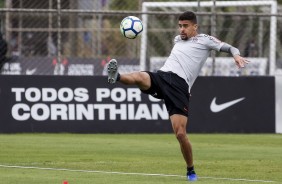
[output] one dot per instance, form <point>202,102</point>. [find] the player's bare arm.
<point>239,60</point>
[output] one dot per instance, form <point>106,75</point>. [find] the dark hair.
<point>188,15</point>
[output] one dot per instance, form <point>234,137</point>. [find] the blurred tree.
<point>2,2</point>
<point>118,42</point>
<point>124,5</point>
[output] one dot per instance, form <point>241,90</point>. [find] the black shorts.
<point>173,89</point>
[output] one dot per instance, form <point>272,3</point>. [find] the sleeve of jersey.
<point>214,43</point>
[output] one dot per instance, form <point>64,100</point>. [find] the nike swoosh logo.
<point>30,71</point>
<point>220,107</point>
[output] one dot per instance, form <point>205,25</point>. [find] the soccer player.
<point>173,81</point>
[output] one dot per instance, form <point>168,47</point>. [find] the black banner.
<point>90,105</point>
<point>233,104</point>
<point>77,104</point>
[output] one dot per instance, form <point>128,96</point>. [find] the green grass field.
<point>133,158</point>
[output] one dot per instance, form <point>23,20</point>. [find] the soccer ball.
<point>131,27</point>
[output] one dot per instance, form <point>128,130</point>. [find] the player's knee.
<point>143,76</point>
<point>142,79</point>
<point>139,76</point>
<point>181,136</point>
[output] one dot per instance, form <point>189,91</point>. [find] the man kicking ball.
<point>174,80</point>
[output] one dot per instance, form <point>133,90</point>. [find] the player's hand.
<point>240,61</point>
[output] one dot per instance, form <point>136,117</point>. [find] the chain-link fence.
<point>78,37</point>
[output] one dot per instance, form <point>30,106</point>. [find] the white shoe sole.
<point>112,71</point>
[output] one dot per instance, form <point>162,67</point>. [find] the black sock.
<point>190,168</point>
<point>118,77</point>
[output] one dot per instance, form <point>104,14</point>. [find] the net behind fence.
<point>71,37</point>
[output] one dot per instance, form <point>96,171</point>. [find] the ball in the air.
<point>131,27</point>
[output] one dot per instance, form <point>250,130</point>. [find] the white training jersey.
<point>188,56</point>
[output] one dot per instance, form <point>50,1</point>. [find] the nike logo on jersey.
<point>220,107</point>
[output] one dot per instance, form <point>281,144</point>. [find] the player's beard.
<point>183,37</point>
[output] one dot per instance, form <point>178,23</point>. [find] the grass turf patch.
<point>217,156</point>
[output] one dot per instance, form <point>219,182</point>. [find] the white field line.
<point>126,173</point>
